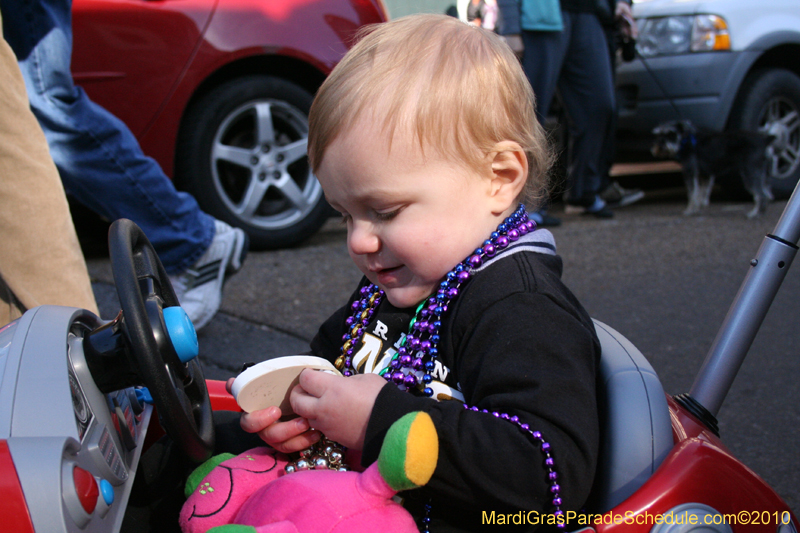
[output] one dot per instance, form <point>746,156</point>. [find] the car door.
<point>130,54</point>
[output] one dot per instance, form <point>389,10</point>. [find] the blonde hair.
<point>460,88</point>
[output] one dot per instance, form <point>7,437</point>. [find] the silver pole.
<point>747,312</point>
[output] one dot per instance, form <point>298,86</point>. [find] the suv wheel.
<point>769,101</point>
<point>243,154</point>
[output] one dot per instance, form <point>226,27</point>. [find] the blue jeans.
<point>98,158</point>
<point>577,62</point>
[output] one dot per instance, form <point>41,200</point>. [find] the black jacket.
<point>514,341</point>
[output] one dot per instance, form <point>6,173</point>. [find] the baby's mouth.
<point>388,276</point>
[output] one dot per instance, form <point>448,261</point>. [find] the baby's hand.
<point>338,407</point>
<point>287,437</point>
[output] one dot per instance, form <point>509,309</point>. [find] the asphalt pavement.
<point>662,279</point>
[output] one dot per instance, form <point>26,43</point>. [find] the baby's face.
<point>410,219</point>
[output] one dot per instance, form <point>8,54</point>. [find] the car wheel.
<point>243,154</point>
<point>769,101</point>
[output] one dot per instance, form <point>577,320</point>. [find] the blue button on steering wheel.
<point>182,333</point>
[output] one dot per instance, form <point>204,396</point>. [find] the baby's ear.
<point>509,174</point>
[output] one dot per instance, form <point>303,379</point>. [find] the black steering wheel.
<point>178,388</point>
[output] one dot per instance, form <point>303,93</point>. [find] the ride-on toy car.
<point>79,397</point>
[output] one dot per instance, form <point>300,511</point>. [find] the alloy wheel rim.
<point>780,117</point>
<point>259,165</point>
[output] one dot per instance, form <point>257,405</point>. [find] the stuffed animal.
<point>251,493</point>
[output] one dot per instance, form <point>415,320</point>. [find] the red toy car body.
<point>185,75</point>
<point>701,470</point>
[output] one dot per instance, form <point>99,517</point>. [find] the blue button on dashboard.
<point>107,491</point>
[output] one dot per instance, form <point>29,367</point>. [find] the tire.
<point>243,154</point>
<point>769,100</point>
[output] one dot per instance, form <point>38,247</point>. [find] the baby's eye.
<point>389,215</point>
<point>345,218</point>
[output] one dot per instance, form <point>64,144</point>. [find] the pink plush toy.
<point>251,492</point>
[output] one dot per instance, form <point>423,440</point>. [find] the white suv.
<point>724,64</point>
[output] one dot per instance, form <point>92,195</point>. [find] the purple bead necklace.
<point>413,363</point>
<point>549,463</point>
<point>411,367</point>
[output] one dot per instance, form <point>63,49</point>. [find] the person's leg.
<point>541,61</point>
<point>609,143</point>
<point>614,194</point>
<point>41,262</point>
<point>99,159</point>
<point>103,167</point>
<point>585,86</point>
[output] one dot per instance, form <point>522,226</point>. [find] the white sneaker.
<point>199,288</point>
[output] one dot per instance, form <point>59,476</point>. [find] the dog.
<point>704,155</point>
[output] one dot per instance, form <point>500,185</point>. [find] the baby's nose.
<point>362,239</point>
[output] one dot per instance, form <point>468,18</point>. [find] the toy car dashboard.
<point>70,446</point>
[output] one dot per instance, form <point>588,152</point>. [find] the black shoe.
<point>598,209</point>
<point>543,220</point>
<point>603,212</point>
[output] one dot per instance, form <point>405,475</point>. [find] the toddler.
<point>424,138</point>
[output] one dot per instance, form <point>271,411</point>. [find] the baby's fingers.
<point>298,443</point>
<point>290,436</point>
<point>258,420</point>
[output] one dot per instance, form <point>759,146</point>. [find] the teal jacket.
<point>530,15</point>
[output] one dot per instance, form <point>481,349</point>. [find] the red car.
<point>219,92</point>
